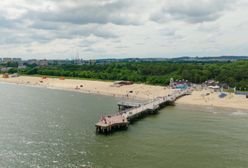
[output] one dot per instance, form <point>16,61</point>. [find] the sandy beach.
<point>230,101</point>
<point>136,91</point>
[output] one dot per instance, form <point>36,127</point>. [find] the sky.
<point>92,29</point>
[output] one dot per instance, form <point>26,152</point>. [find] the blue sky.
<point>92,29</point>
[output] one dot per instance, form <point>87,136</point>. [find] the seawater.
<point>50,128</point>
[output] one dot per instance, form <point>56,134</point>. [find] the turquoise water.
<point>50,128</point>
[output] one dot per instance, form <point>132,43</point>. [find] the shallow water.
<point>50,128</point>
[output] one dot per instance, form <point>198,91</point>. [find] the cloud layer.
<point>117,28</point>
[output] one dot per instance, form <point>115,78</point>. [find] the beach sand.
<point>213,100</point>
<point>136,91</point>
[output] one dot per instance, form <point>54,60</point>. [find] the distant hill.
<point>178,59</point>
<point>207,59</point>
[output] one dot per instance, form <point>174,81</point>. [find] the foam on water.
<point>239,113</point>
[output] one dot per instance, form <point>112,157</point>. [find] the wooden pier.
<point>129,111</point>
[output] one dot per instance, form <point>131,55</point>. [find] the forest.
<point>235,74</point>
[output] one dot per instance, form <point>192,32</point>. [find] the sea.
<point>42,127</point>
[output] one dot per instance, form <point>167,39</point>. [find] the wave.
<point>238,113</point>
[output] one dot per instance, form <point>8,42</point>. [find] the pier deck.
<point>127,105</point>
<point>108,123</point>
<point>122,119</point>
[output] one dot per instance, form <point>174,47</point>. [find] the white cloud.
<point>117,28</point>
<point>192,11</point>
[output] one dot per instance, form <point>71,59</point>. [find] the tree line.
<point>235,74</point>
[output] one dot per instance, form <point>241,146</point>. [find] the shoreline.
<point>213,108</point>
<point>139,91</point>
<point>73,90</point>
<point>122,92</point>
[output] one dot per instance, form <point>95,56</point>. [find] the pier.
<point>131,111</point>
